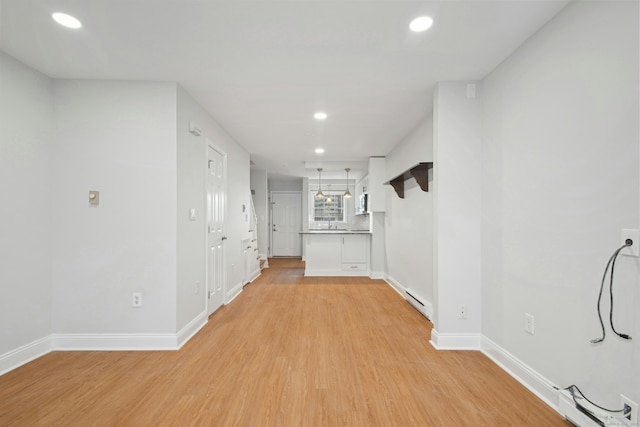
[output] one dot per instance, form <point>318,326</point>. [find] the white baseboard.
<point>377,275</point>
<point>395,285</point>
<point>536,383</point>
<point>191,328</point>
<point>234,292</point>
<point>100,342</point>
<point>466,341</point>
<point>114,342</point>
<point>25,354</point>
<point>335,272</point>
<point>255,275</point>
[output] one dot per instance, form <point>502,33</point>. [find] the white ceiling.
<point>262,68</point>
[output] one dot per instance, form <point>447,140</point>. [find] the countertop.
<point>323,231</point>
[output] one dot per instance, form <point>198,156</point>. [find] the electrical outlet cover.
<point>529,325</point>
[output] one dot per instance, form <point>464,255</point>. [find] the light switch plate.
<point>94,197</point>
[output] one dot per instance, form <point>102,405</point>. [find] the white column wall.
<point>26,112</point>
<point>457,209</point>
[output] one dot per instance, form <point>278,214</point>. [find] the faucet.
<point>329,223</point>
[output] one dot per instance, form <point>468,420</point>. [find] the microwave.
<point>362,206</point>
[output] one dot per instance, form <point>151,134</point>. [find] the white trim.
<point>100,342</point>
<point>114,342</point>
<point>395,285</point>
<point>335,272</point>
<point>191,328</point>
<point>455,341</point>
<point>525,375</point>
<point>254,275</point>
<point>25,354</point>
<point>377,275</point>
<point>234,292</point>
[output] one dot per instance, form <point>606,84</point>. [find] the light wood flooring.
<point>288,351</point>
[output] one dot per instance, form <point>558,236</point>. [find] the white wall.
<point>560,180</point>
<point>117,138</point>
<point>191,287</point>
<point>71,268</point>
<point>238,194</point>
<point>26,116</point>
<point>409,221</point>
<point>285,184</point>
<point>457,210</point>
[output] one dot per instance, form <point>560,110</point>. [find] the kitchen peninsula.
<point>337,252</point>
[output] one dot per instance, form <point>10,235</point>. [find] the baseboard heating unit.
<point>579,412</point>
<point>419,303</point>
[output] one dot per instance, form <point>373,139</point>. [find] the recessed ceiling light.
<point>66,20</point>
<point>319,150</point>
<point>421,23</point>
<point>320,116</point>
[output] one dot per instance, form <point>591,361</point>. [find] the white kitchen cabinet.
<point>336,254</point>
<point>354,249</point>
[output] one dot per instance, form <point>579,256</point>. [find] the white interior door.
<point>216,200</point>
<point>286,224</point>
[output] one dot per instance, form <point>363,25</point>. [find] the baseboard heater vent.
<point>419,303</point>
<point>580,413</point>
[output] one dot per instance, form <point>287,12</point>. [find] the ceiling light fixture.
<point>421,23</point>
<point>347,194</point>
<point>319,150</point>
<point>319,194</point>
<point>66,20</point>
<point>320,115</point>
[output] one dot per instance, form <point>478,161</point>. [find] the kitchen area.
<point>343,231</point>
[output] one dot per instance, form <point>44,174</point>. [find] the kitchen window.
<point>329,208</point>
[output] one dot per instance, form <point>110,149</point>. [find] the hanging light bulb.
<point>347,194</point>
<point>329,199</point>
<point>319,194</point>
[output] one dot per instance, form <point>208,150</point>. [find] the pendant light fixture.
<point>328,199</point>
<point>319,194</point>
<point>347,194</point>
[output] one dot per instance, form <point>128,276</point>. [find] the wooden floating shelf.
<point>421,174</point>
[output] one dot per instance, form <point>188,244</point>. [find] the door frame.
<point>210,144</point>
<point>271,193</point>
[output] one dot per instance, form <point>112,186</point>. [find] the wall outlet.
<point>634,235</point>
<point>462,312</point>
<point>136,299</point>
<point>529,325</point>
<point>197,287</point>
<point>630,409</point>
